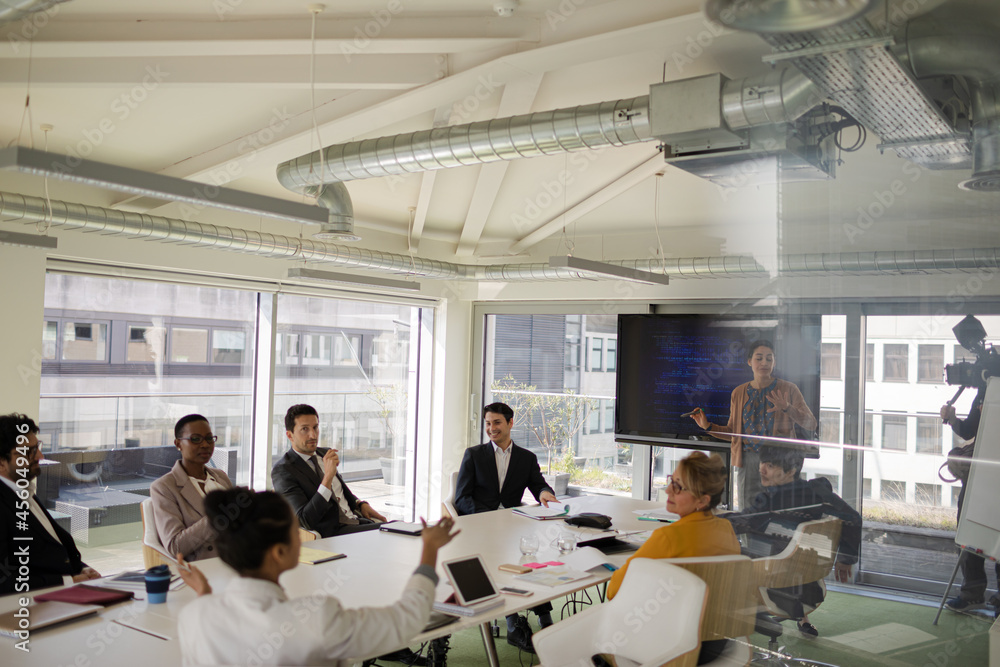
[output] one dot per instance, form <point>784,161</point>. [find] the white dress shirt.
<point>336,489</point>
<point>503,462</point>
<point>254,622</point>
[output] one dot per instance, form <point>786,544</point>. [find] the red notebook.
<point>83,594</point>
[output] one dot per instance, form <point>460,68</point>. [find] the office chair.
<point>808,557</point>
<point>731,610</point>
<point>672,601</point>
<point>448,497</point>
<point>153,551</point>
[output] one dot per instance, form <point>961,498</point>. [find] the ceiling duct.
<point>783,15</point>
<point>112,222</point>
<point>742,132</point>
<point>739,107</point>
<point>15,10</point>
<point>971,49</point>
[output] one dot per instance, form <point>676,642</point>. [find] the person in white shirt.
<point>35,552</point>
<point>253,620</point>
<point>179,496</point>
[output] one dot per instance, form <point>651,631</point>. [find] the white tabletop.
<point>376,569</point>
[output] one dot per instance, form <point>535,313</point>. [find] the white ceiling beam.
<point>644,170</point>
<point>517,99</point>
<point>343,37</point>
<point>441,116</point>
<point>366,72</point>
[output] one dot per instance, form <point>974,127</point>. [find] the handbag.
<point>959,463</point>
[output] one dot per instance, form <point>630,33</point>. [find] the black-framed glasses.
<point>198,439</point>
<point>674,485</point>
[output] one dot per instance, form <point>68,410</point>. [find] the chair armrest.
<point>562,639</point>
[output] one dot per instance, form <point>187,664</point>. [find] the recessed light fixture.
<point>157,186</point>
<point>28,240</point>
<point>775,16</point>
<point>351,279</point>
<point>603,270</point>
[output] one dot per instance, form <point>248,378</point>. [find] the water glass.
<point>529,545</point>
<point>566,544</point>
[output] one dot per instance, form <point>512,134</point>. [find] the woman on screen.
<point>764,406</point>
<point>693,491</point>
<point>253,621</point>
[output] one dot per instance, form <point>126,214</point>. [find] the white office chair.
<point>655,619</point>
<point>448,497</point>
<point>731,610</point>
<point>153,552</point>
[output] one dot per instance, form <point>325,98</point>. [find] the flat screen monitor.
<point>670,364</point>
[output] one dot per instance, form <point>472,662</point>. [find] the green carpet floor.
<point>855,631</point>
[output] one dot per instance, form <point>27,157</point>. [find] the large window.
<point>115,382</point>
<point>565,417</point>
<point>929,435</point>
<point>894,432</point>
<point>830,362</point>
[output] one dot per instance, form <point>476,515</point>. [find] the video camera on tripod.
<point>971,335</point>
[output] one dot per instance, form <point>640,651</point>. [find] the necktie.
<point>315,462</point>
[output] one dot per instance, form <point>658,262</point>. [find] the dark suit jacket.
<point>48,561</point>
<point>477,488</point>
<point>297,481</point>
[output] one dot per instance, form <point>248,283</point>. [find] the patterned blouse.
<point>756,419</point>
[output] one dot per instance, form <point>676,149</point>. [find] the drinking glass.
<point>566,544</point>
<point>529,545</point>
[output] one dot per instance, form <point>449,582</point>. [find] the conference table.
<point>374,573</point>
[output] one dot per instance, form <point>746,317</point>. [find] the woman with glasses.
<point>693,491</point>
<point>179,496</point>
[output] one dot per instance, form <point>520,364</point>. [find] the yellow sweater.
<point>697,534</point>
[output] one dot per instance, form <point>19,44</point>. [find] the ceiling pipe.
<point>15,10</point>
<point>15,207</point>
<point>970,49</point>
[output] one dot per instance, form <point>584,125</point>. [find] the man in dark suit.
<point>35,552</point>
<point>495,475</point>
<point>308,479</point>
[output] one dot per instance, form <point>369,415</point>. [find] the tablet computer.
<point>472,583</point>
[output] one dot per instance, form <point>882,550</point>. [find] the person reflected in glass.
<point>179,496</point>
<point>693,492</point>
<point>765,406</point>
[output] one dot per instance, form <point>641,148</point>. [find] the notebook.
<point>44,614</point>
<point>314,556</point>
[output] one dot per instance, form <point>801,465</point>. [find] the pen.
<point>692,413</point>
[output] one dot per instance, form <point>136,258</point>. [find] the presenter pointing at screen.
<point>764,406</point>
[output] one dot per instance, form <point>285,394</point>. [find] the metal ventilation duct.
<point>15,10</point>
<point>168,230</point>
<point>971,49</point>
<point>584,127</point>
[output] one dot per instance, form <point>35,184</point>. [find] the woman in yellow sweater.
<point>693,491</point>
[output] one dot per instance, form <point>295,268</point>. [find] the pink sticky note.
<point>535,566</point>
<point>554,562</point>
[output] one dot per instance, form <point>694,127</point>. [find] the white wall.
<point>22,288</point>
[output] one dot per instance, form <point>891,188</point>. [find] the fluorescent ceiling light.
<point>602,270</point>
<point>776,16</point>
<point>351,279</point>
<point>157,186</point>
<point>27,240</point>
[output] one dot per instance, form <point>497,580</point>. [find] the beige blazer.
<point>179,511</point>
